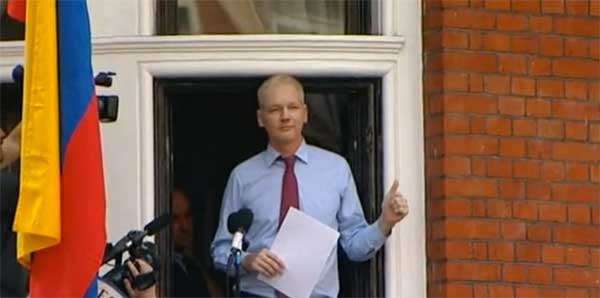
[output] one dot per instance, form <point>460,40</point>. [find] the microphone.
<point>238,224</point>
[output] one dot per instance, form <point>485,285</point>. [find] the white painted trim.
<point>147,17</point>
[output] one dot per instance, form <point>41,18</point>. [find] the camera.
<point>137,248</point>
<point>108,105</point>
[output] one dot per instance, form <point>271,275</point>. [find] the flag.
<point>60,217</point>
<point>16,9</point>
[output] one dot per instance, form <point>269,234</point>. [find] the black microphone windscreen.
<point>157,224</point>
<point>240,220</point>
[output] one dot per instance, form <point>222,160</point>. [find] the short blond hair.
<point>278,80</point>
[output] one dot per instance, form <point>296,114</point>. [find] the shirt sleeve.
<point>221,245</point>
<point>359,240</point>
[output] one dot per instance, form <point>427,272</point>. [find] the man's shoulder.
<point>323,155</point>
<point>250,165</point>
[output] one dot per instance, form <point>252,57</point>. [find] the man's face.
<point>183,227</point>
<point>283,114</point>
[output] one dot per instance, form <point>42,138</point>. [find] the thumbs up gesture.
<point>393,209</point>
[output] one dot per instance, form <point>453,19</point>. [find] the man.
<point>291,173</point>
<point>190,278</point>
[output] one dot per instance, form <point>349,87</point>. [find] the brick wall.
<point>512,99</point>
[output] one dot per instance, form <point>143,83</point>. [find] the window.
<point>188,17</point>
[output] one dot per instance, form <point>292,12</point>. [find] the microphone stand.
<point>235,258</point>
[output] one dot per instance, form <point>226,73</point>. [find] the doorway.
<point>205,127</point>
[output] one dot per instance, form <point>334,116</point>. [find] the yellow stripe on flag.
<point>37,221</point>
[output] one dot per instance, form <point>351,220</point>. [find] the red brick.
<point>577,293</point>
<point>580,214</point>
<point>458,290</point>
<point>456,166</point>
<point>455,81</point>
<point>478,167</point>
<point>501,251</point>
<point>471,187</point>
<point>524,127</point>
<point>469,62</point>
<point>454,39</point>
<point>595,8</point>
<point>480,290</point>
<point>529,252</point>
<point>577,7</point>
<point>576,68</point>
<point>539,232</point>
<point>454,3</point>
<point>475,40</point>
<point>538,191</point>
<point>551,45</point>
<point>432,19</point>
<point>477,3</point>
<point>575,110</point>
<point>514,273</point>
<point>470,103</point>
<point>576,90</point>
<point>462,18</point>
<point>577,47</point>
<point>576,131</point>
<point>451,207</point>
<point>577,234</point>
<point>553,254</point>
<point>525,210</point>
<point>514,230</point>
<point>498,209</point>
<point>595,173</point>
<point>550,88</point>
<point>552,292</point>
<point>480,251</point>
<point>551,129</point>
<point>512,189</point>
<point>540,275</point>
<point>578,255</point>
<point>524,44</point>
<point>511,22</point>
<point>432,40</point>
<point>596,215</point>
<point>526,168</point>
<point>523,86</point>
<point>553,6</point>
<point>595,133</point>
<point>553,212</point>
<point>514,64</point>
<point>499,168</point>
<point>594,91</point>
<point>478,208</point>
<point>471,145</point>
<point>539,149</point>
<point>526,291</point>
<point>499,290</point>
<point>497,5</point>
<point>552,170</point>
<point>595,49</point>
<point>477,125</point>
<point>576,277</point>
<point>475,82</point>
<point>577,26</point>
<point>509,105</point>
<point>473,271</point>
<point>540,66</point>
<point>498,126</point>
<point>497,84</point>
<point>540,24</point>
<point>538,107</point>
<point>512,147</point>
<point>576,193</point>
<point>577,171</point>
<point>595,257</point>
<point>496,42</point>
<point>467,229</point>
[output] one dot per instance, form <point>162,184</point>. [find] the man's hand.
<point>393,209</point>
<point>143,268</point>
<point>264,262</point>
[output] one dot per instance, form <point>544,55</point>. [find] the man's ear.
<point>259,118</point>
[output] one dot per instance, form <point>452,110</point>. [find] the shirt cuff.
<point>375,238</point>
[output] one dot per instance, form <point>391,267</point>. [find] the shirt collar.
<point>271,155</point>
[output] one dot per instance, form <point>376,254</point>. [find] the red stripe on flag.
<point>82,218</point>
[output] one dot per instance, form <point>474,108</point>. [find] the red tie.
<point>289,190</point>
<point>289,195</point>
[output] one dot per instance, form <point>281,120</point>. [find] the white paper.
<point>303,244</point>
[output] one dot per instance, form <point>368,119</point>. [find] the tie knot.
<point>289,161</point>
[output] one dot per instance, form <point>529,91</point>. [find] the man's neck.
<point>287,149</point>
